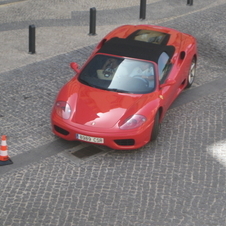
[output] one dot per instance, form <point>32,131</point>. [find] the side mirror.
<point>74,66</point>
<point>169,82</point>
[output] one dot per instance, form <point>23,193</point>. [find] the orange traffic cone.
<point>4,158</point>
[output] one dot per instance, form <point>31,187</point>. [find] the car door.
<point>168,85</point>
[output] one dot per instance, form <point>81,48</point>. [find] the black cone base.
<point>3,163</point>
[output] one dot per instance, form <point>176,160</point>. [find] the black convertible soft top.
<point>136,49</point>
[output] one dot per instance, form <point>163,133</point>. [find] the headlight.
<point>133,122</point>
<point>63,109</point>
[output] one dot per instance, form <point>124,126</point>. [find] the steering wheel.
<point>145,80</point>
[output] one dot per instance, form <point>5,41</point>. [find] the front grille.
<point>60,130</point>
<point>125,142</point>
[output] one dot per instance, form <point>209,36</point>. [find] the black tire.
<point>156,127</point>
<point>192,73</point>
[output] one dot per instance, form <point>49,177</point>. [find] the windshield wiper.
<point>87,83</point>
<point>108,89</point>
<point>118,90</point>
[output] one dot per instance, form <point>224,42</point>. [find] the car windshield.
<point>119,74</point>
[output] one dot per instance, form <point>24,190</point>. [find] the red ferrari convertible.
<point>121,94</point>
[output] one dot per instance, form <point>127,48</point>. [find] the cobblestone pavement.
<point>177,180</point>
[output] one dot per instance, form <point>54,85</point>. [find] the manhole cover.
<point>87,152</point>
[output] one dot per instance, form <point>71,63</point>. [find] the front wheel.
<point>156,127</point>
<point>192,73</point>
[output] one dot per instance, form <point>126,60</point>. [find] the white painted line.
<point>218,151</point>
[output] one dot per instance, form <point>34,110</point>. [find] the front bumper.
<point>117,139</point>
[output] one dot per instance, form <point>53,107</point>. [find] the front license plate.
<point>97,140</point>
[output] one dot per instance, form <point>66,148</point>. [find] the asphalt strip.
<point>38,154</point>
<point>60,145</point>
<point>7,2</point>
<point>193,94</point>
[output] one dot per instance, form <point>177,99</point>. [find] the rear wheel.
<point>192,73</point>
<point>156,127</point>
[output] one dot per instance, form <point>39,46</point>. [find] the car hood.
<point>101,108</point>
